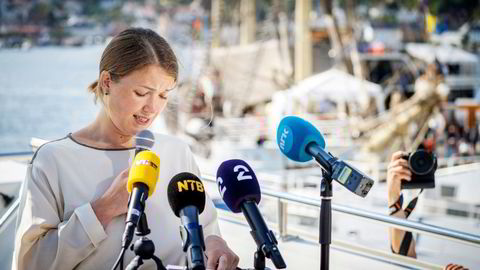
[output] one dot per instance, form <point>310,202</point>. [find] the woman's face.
<point>135,100</point>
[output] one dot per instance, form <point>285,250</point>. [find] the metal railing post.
<point>282,218</point>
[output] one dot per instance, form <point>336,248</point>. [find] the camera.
<point>423,165</point>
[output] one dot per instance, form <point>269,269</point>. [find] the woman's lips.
<point>142,120</point>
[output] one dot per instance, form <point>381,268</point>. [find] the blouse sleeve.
<point>43,239</point>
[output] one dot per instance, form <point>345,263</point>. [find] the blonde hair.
<point>133,49</point>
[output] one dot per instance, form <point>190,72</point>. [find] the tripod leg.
<point>135,263</point>
<point>159,263</point>
<point>325,228</point>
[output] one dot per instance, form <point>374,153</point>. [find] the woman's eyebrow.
<point>153,89</point>
<point>149,88</point>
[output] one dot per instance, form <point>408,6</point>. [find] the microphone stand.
<point>325,229</point>
<point>144,248</point>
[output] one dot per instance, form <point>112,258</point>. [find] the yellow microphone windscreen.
<point>145,169</point>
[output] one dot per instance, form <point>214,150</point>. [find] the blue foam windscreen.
<point>294,134</point>
<point>237,183</point>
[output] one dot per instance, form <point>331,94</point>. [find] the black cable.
<point>119,259</point>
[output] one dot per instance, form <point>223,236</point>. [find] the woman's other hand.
<point>218,252</point>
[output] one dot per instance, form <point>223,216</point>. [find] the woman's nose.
<point>151,105</point>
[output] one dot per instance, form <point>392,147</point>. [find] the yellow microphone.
<point>145,170</point>
<point>142,179</point>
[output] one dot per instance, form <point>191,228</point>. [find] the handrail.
<point>433,230</point>
<point>9,212</point>
<point>341,245</point>
<point>16,155</point>
<point>396,222</point>
<point>400,223</point>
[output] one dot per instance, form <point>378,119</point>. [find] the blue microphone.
<point>240,191</point>
<point>300,141</point>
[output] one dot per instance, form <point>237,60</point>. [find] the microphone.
<point>300,141</point>
<point>142,180</point>
<point>186,196</point>
<point>144,140</point>
<point>240,191</point>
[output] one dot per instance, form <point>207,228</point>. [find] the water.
<point>43,93</point>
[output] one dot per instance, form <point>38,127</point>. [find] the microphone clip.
<point>142,228</point>
<point>186,235</point>
<point>267,250</point>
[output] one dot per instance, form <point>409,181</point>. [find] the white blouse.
<point>57,227</point>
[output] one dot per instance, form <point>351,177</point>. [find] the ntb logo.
<point>190,185</point>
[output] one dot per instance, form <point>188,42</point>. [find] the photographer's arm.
<point>397,171</point>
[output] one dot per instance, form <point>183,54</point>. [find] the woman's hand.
<point>218,252</point>
<point>397,171</point>
<point>114,201</point>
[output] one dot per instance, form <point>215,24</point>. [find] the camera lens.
<point>421,162</point>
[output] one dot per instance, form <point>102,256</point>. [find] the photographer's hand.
<point>396,172</point>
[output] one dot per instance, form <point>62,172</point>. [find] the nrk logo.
<point>285,139</point>
<point>146,162</point>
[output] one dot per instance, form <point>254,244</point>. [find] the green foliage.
<point>58,33</point>
<point>437,7</point>
<point>40,12</point>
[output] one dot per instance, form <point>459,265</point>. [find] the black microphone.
<point>186,196</point>
<point>142,179</point>
<point>144,140</point>
<point>240,191</point>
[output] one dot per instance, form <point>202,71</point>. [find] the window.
<point>448,191</point>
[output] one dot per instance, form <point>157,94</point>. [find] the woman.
<point>74,198</point>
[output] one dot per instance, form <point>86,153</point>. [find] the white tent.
<point>333,84</point>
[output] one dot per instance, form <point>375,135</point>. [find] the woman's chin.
<point>137,128</point>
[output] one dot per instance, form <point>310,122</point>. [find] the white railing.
<point>282,225</point>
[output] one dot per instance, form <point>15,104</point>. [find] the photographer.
<point>396,172</point>
<point>402,242</point>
